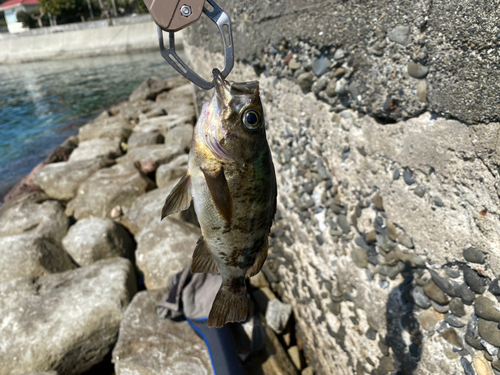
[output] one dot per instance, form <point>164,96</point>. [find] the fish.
<point>232,183</point>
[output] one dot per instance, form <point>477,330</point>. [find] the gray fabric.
<point>191,295</point>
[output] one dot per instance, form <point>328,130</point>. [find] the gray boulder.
<point>172,171</point>
<point>66,322</point>
<point>164,248</point>
<point>131,111</point>
<point>160,154</point>
<point>112,127</point>
<point>31,255</point>
<point>150,345</point>
<point>95,148</point>
<point>144,139</point>
<point>162,124</point>
<point>94,238</point>
<point>277,315</point>
<point>119,185</point>
<point>180,136</point>
<point>183,94</point>
<point>28,217</point>
<point>61,180</point>
<point>151,87</point>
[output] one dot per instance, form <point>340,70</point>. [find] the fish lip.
<point>221,85</point>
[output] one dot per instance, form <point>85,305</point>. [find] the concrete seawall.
<point>136,37</point>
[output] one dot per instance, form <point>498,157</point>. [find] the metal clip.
<point>221,19</point>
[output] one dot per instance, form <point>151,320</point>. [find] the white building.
<point>11,7</point>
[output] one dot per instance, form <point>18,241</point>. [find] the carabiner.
<point>220,18</point>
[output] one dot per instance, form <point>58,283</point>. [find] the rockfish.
<point>232,183</point>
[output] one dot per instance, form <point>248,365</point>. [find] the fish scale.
<point>232,183</point>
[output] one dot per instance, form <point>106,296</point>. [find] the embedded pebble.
<point>320,66</point>
<point>475,343</point>
<point>452,337</point>
<point>419,191</point>
<point>489,331</point>
<point>400,34</point>
<point>428,320</point>
<point>294,64</point>
<point>457,307</point>
<point>452,273</point>
<point>360,257</point>
<point>396,174</point>
<point>476,282</point>
<point>405,240</point>
<point>486,309</point>
<point>391,231</point>
<point>419,297</point>
<point>433,292</point>
<point>474,255</point>
<point>443,309</point>
<point>408,177</point>
<point>496,364</point>
<point>492,350</point>
<point>494,288</point>
<point>454,321</point>
<point>481,366</point>
<point>417,70</point>
<point>389,271</point>
<point>330,88</point>
<point>343,223</point>
<point>472,328</point>
<point>468,369</point>
<point>467,294</point>
<point>437,201</point>
<point>305,81</point>
<point>378,202</point>
<point>371,334</point>
<point>446,285</point>
<point>339,54</point>
<point>422,94</point>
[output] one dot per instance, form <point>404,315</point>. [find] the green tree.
<point>57,7</point>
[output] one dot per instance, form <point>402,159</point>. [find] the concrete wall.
<point>108,40</point>
<point>386,238</point>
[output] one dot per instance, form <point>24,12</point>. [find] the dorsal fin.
<point>219,190</point>
<point>203,260</point>
<point>179,198</point>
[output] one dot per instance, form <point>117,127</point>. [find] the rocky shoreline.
<point>85,258</point>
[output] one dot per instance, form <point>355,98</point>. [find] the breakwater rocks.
<point>386,236</point>
<point>81,236</point>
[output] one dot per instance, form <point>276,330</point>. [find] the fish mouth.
<point>222,87</point>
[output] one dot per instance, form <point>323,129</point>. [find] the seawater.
<point>43,103</point>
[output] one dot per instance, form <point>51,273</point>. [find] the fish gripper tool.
<point>175,15</point>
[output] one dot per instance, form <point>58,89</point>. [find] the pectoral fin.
<point>179,198</point>
<point>203,260</point>
<point>219,190</point>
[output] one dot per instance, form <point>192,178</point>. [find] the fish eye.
<point>252,119</point>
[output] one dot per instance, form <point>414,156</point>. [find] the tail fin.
<point>228,307</point>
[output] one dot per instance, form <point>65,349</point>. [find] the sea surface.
<point>43,103</point>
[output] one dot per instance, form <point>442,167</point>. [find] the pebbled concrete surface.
<point>458,41</point>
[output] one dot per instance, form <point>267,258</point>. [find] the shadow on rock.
<point>403,330</point>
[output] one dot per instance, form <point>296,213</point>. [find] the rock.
<point>475,343</point>
<point>277,315</point>
<point>454,321</point>
<point>148,344</point>
<point>443,309</point>
<point>111,128</point>
<point>151,87</point>
<point>181,94</point>
<point>467,294</point>
<point>433,292</point>
<point>305,81</point>
<point>120,184</point>
<point>259,281</point>
<point>319,85</point>
<point>482,366</point>
<point>428,320</point>
<point>162,124</point>
<point>320,66</point>
<point>446,285</point>
<point>26,217</point>
<point>389,271</point>
<point>419,297</point>
<point>468,369</point>
<point>294,64</point>
<point>343,223</point>
<point>95,148</point>
<point>419,191</point>
<point>31,255</point>
<point>164,248</point>
<point>339,54</point>
<point>294,354</point>
<point>457,307</point>
<point>489,331</point>
<point>405,240</point>
<point>360,257</point>
<point>330,88</point>
<point>94,238</point>
<point>148,167</point>
<point>437,201</point>
<point>61,180</point>
<point>408,177</point>
<point>385,366</point>
<point>494,288</point>
<point>180,136</point>
<point>74,317</point>
<point>378,202</point>
<point>160,154</point>
<point>116,212</point>
<point>422,96</point>
<point>474,255</point>
<point>476,282</point>
<point>309,371</point>
<point>487,309</point>
<point>172,171</point>
<point>144,139</point>
<point>452,337</point>
<point>416,70</point>
<point>400,34</point>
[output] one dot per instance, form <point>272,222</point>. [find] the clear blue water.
<point>43,103</point>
